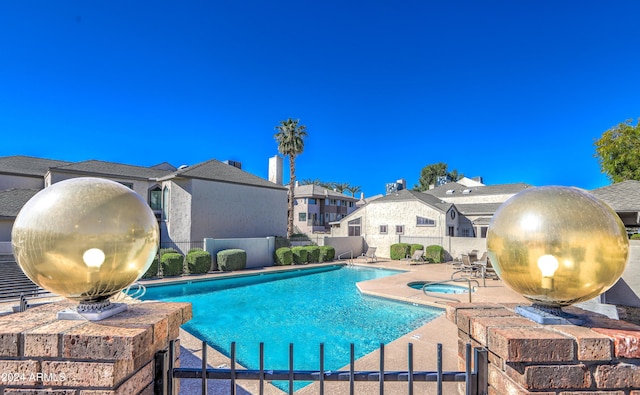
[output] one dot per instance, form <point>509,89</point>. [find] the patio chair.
<point>467,269</point>
<point>416,258</point>
<point>370,254</point>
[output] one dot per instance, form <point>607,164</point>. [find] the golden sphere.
<point>557,245</point>
<point>85,238</point>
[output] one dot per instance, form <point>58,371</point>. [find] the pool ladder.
<point>469,281</point>
<point>350,260</point>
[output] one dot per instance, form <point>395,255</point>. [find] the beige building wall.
<point>20,182</point>
<point>225,210</point>
<point>177,227</point>
<point>470,198</point>
<point>391,214</point>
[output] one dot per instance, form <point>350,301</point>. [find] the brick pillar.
<point>599,357</point>
<point>40,354</point>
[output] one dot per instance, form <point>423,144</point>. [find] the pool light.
<point>557,246</point>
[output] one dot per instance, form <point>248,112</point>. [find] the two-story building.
<point>211,199</point>
<point>316,207</point>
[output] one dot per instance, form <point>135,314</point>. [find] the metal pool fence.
<point>474,376</point>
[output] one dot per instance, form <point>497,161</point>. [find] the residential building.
<point>624,198</point>
<point>210,199</point>
<point>455,209</point>
<point>315,207</point>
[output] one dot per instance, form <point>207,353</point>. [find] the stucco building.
<point>316,207</point>
<point>210,199</point>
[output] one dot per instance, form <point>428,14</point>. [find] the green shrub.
<point>284,256</point>
<point>313,254</point>
<point>198,261</point>
<point>233,259</point>
<point>299,255</point>
<point>152,272</point>
<point>163,251</point>
<point>434,254</point>
<point>195,249</point>
<point>172,264</point>
<point>327,253</point>
<point>414,248</point>
<point>399,251</point>
<point>635,236</point>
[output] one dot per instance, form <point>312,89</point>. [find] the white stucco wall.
<point>223,210</point>
<point>470,198</point>
<point>20,182</point>
<point>392,214</point>
<point>178,226</point>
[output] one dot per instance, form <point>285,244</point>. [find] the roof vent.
<point>183,167</point>
<point>466,191</point>
<point>450,191</point>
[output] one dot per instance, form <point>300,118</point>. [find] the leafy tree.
<point>618,152</point>
<point>430,173</point>
<point>290,138</point>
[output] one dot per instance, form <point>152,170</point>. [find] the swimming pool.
<point>305,307</point>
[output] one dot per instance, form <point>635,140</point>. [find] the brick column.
<point>40,354</point>
<point>599,357</point>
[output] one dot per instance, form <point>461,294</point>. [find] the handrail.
<point>468,280</point>
<point>346,252</point>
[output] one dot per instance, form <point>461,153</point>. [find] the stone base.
<point>599,356</point>
<point>41,354</point>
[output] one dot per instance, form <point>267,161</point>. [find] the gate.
<point>474,376</point>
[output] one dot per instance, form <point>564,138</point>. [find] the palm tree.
<point>290,143</point>
<point>340,186</point>
<point>354,189</point>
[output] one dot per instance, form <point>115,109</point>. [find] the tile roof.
<point>26,165</point>
<point>214,170</point>
<point>477,208</point>
<point>99,167</point>
<point>457,189</point>
<point>622,196</point>
<point>312,190</point>
<point>407,194</point>
<point>12,200</point>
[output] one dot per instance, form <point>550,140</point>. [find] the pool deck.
<point>424,339</point>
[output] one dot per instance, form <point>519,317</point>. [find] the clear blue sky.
<point>514,91</point>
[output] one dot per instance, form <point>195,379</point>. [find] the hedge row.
<point>432,254</point>
<point>173,263</point>
<point>304,255</point>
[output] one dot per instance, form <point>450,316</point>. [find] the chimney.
<point>402,182</point>
<point>361,195</point>
<point>275,169</point>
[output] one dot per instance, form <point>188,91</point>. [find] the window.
<point>350,204</point>
<point>383,229</point>
<point>399,229</point>
<point>302,217</point>
<point>312,201</point>
<point>343,202</point>
<point>165,203</point>
<point>155,198</point>
<point>421,221</point>
<point>127,184</point>
<point>354,227</point>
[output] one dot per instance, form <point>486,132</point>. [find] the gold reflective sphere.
<point>557,245</point>
<point>85,238</point>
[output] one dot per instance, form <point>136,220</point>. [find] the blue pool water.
<point>440,288</point>
<point>305,307</point>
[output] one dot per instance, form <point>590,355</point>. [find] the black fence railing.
<point>475,375</point>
